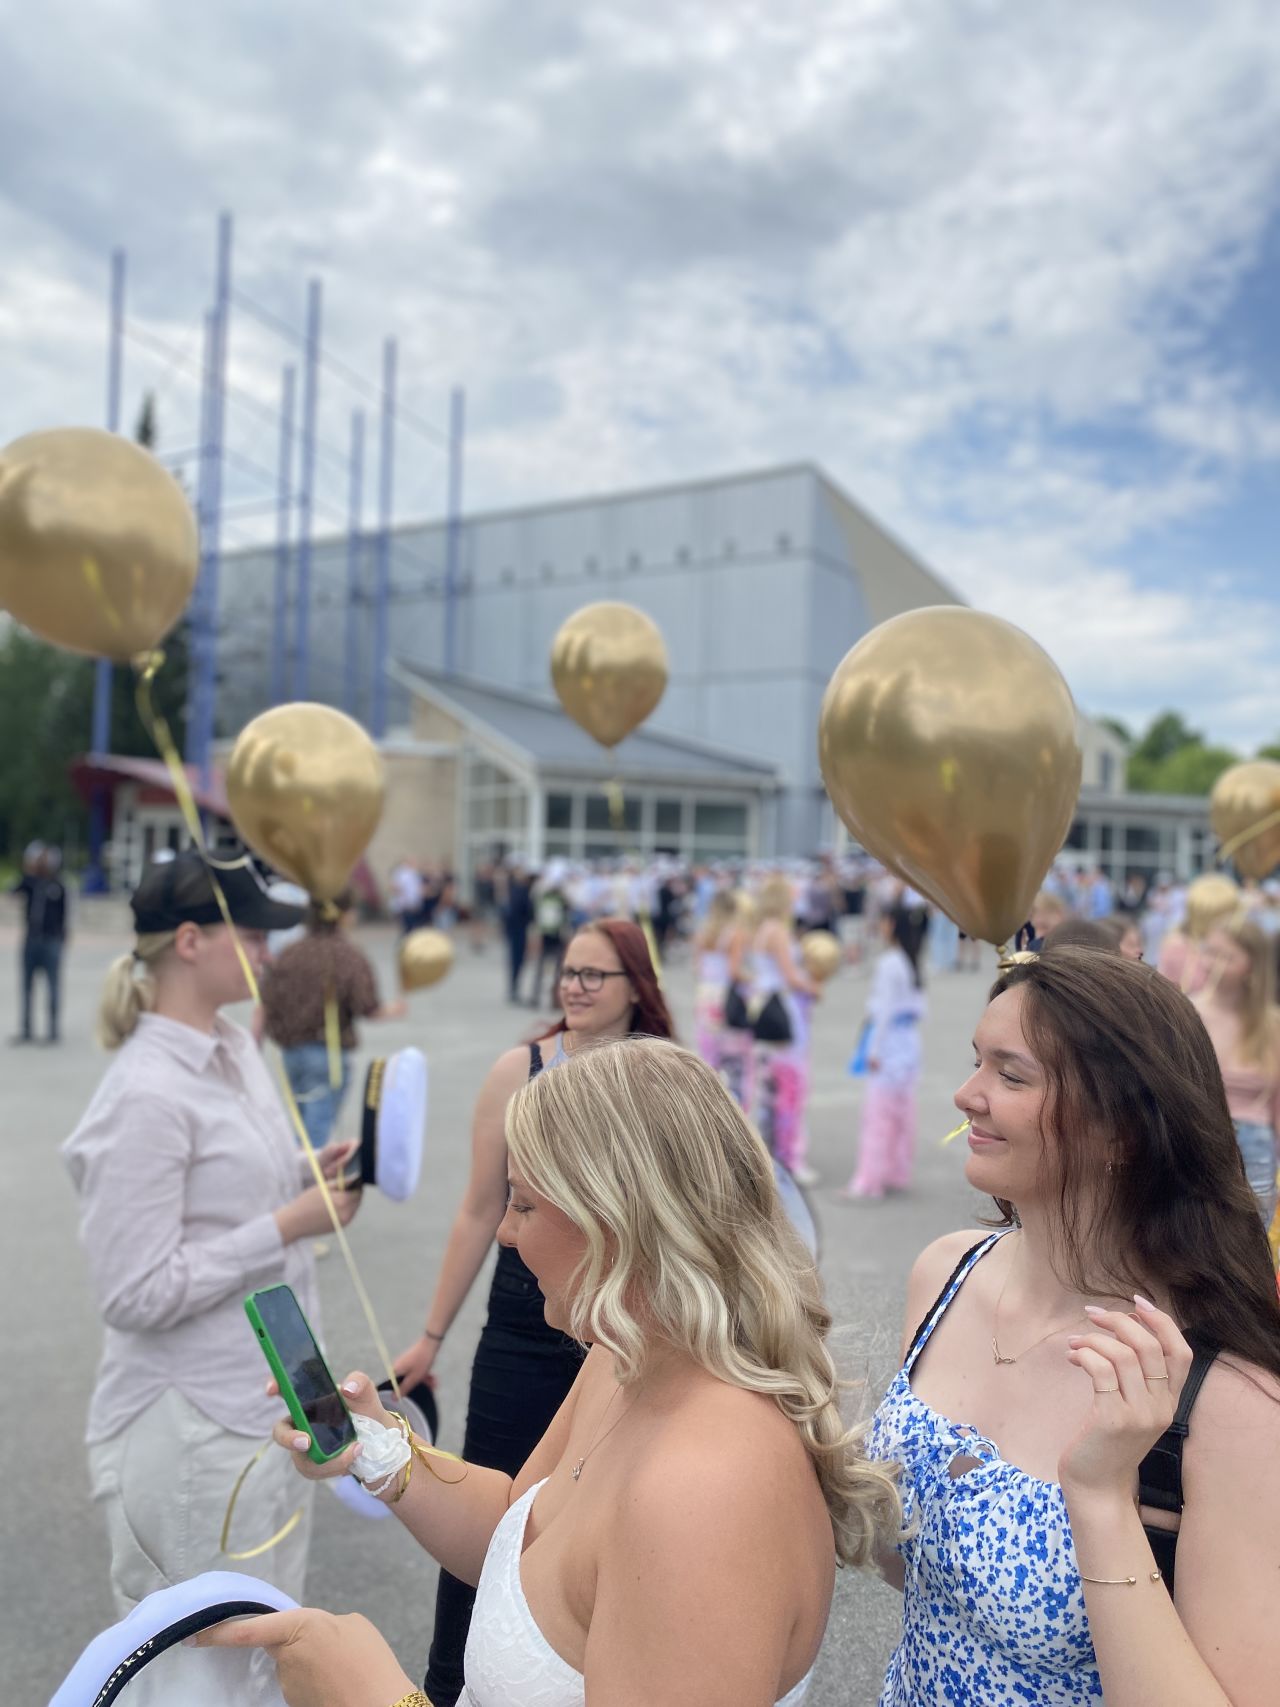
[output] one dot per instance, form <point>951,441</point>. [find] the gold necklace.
<point>995,1324</point>
<point>598,1439</point>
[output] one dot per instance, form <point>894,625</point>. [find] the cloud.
<point>979,261</point>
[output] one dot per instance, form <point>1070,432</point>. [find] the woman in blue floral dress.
<point>1093,1390</point>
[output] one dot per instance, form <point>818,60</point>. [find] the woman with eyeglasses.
<point>523,1369</point>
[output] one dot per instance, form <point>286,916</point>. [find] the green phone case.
<point>278,1370</point>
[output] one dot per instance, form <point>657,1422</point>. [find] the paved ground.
<point>53,1561</point>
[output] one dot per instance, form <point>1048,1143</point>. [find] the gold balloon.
<point>98,549</point>
<point>821,953</point>
<point>609,668</point>
<point>1210,899</point>
<point>425,957</point>
<point>947,740</point>
<point>1246,799</point>
<point>305,786</point>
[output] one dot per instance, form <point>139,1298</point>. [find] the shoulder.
<point>933,1268</point>
<point>1237,1410</point>
<point>508,1073</point>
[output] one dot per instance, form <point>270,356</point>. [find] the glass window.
<point>600,850</point>
<point>720,818</point>
<point>1104,838</point>
<point>1107,769</point>
<point>559,811</point>
<point>485,775</point>
<point>666,817</point>
<point>1141,838</point>
<point>482,817</point>
<point>1077,836</point>
<point>599,816</point>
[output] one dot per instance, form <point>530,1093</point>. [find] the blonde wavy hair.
<point>722,911</point>
<point>776,899</point>
<point>130,988</point>
<point>1259,1016</point>
<point>687,1242</point>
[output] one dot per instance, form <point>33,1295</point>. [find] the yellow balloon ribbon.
<point>286,1528</point>
<point>955,1132</point>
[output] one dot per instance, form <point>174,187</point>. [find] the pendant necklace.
<point>995,1324</point>
<point>599,1439</point>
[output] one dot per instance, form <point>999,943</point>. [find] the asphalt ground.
<point>53,1556</point>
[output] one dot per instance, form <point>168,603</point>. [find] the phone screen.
<point>311,1381</point>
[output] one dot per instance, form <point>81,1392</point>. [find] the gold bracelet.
<point>408,1471</point>
<point>1120,1582</point>
<point>414,1699</point>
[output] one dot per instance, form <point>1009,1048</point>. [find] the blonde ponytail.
<point>130,989</point>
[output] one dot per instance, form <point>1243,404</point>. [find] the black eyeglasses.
<point>590,977</point>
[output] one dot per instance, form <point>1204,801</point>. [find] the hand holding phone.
<point>315,1405</point>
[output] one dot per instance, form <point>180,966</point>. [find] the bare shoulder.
<point>508,1073</point>
<point>722,1441</point>
<point>931,1271</point>
<point>1236,1418</point>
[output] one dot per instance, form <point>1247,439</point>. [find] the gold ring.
<point>1155,1377</point>
<point>1101,1390</point>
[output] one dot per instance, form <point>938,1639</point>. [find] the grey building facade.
<point>759,582</point>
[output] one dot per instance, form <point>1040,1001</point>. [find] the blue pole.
<point>100,740</point>
<point>351,682</point>
<point>382,579</point>
<point>284,502</point>
<point>306,493</point>
<point>453,526</point>
<point>202,699</point>
<point>199,625</point>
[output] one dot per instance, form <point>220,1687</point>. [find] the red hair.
<point>650,1016</point>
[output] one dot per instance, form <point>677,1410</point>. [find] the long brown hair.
<point>650,1016</point>
<point>1151,1184</point>
<point>1259,1021</point>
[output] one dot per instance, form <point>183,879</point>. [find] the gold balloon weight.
<point>305,785</point>
<point>98,549</point>
<point>609,669</point>
<point>948,745</point>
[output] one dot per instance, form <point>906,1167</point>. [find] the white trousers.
<point>163,1484</point>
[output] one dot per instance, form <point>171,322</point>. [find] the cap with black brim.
<point>158,1623</point>
<point>392,1125</point>
<point>181,892</point>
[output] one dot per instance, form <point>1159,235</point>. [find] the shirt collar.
<point>193,1048</point>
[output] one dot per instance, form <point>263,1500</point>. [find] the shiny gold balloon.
<point>948,745</point>
<point>305,785</point>
<point>821,953</point>
<point>98,549</point>
<point>1210,899</point>
<point>1244,810</point>
<point>609,668</point>
<point>425,957</point>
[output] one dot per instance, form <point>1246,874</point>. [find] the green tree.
<point>1166,735</point>
<point>1117,728</point>
<point>1270,751</point>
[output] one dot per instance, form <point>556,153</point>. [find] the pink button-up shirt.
<point>179,1162</point>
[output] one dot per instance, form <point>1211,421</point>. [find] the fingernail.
<point>352,1387</point>
<point>1075,1341</point>
<point>1094,1310</point>
<point>300,1442</point>
<point>1143,1303</point>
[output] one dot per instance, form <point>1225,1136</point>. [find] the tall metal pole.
<point>306,493</point>
<point>100,739</point>
<point>284,504</point>
<point>453,526</point>
<point>382,574</point>
<point>198,630</point>
<point>351,661</point>
<point>203,698</point>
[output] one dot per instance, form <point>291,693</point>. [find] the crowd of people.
<point>1073,1477</point>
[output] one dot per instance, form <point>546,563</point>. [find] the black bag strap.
<point>1160,1473</point>
<point>535,1060</point>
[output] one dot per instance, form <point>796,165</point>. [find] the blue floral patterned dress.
<point>993,1608</point>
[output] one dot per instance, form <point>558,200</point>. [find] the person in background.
<point>711,950</point>
<point>517,920</point>
<point>1087,933</point>
<point>484,901</point>
<point>523,1367</point>
<point>44,898</point>
<point>1048,910</point>
<point>895,1009</point>
<point>778,991</point>
<point>324,968</point>
<point>1237,1005</point>
<point>191,1194</point>
<point>1101,897</point>
<point>406,894</point>
<point>551,922</point>
<point>944,941</point>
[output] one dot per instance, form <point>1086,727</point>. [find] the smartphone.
<point>306,1386</point>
